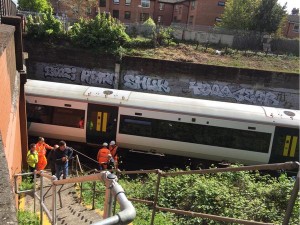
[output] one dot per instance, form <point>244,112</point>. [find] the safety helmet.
<point>112,143</point>
<point>104,144</point>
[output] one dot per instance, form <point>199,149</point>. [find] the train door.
<point>285,145</point>
<point>101,123</point>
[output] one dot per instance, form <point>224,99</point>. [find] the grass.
<point>27,218</point>
<point>233,58</point>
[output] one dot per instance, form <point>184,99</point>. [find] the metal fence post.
<point>34,190</point>
<point>109,198</point>
<point>41,197</point>
<point>94,193</point>
<point>155,197</point>
<point>54,201</point>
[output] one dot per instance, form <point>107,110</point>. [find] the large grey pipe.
<point>127,213</point>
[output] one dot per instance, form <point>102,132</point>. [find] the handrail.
<point>276,166</point>
<point>113,190</point>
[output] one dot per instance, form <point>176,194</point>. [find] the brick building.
<point>164,12</point>
<point>291,29</point>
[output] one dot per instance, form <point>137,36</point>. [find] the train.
<point>162,124</point>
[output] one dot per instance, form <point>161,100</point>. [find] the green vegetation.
<point>27,218</point>
<point>260,15</point>
<point>243,195</point>
<point>44,26</point>
<point>26,184</point>
<point>34,5</point>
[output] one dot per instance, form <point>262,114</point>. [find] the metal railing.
<point>7,8</point>
<point>113,191</point>
<point>267,167</point>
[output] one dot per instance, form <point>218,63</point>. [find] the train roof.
<point>166,103</point>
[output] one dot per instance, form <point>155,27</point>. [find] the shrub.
<point>27,218</point>
<point>148,28</point>
<point>103,32</point>
<point>44,26</point>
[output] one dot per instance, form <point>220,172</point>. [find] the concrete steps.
<point>69,209</point>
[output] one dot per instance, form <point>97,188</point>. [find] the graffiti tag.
<point>95,77</point>
<point>60,72</point>
<point>244,94</point>
<point>146,83</point>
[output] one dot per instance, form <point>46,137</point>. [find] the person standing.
<point>41,147</point>
<point>114,152</point>
<point>51,159</point>
<point>62,156</point>
<point>32,159</point>
<point>102,156</point>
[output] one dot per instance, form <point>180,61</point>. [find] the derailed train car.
<point>154,123</point>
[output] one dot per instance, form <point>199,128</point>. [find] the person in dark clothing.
<point>51,159</point>
<point>62,156</point>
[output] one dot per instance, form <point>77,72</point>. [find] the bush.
<point>243,195</point>
<point>104,32</point>
<point>148,28</point>
<point>44,26</point>
<point>27,218</point>
<point>140,42</point>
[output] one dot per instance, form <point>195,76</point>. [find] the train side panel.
<point>198,137</point>
<point>285,145</point>
<point>56,118</point>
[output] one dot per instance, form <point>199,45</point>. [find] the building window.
<point>161,6</point>
<point>191,20</point>
<point>144,17</point>
<point>88,10</point>
<point>127,2</point>
<point>220,3</point>
<point>145,3</point>
<point>218,19</point>
<point>193,4</point>
<point>296,28</point>
<point>102,3</point>
<point>159,19</point>
<point>116,2</point>
<point>127,15</point>
<point>176,8</point>
<point>115,14</point>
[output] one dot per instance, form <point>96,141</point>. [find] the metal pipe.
<point>213,217</point>
<point>54,202</point>
<point>155,197</point>
<point>108,202</point>
<point>47,211</point>
<point>41,197</point>
<point>276,166</point>
<point>292,201</point>
<point>34,191</point>
<point>92,177</point>
<point>94,192</point>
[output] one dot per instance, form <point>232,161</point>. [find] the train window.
<point>54,115</point>
<point>202,134</point>
<point>136,125</point>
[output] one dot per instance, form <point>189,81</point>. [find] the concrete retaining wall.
<point>247,86</point>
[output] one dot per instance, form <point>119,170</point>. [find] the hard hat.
<point>112,143</point>
<point>104,144</point>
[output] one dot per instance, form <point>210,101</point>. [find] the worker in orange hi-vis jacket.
<point>41,147</point>
<point>114,152</point>
<point>102,156</point>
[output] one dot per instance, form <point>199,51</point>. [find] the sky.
<point>290,4</point>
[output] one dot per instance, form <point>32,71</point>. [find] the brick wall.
<point>10,136</point>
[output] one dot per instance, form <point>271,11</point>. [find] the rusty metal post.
<point>156,196</point>
<point>80,192</point>
<point>94,193</point>
<point>292,201</point>
<point>41,197</point>
<point>34,190</point>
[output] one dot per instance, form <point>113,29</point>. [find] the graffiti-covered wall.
<point>246,86</point>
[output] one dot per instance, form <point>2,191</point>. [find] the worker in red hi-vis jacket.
<point>102,156</point>
<point>41,147</point>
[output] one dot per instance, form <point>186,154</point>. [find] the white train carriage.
<point>163,124</point>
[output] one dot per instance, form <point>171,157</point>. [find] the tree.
<point>238,14</point>
<point>268,16</point>
<point>34,5</point>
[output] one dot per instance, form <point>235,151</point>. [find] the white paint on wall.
<point>93,77</point>
<point>146,83</point>
<point>60,72</point>
<point>242,95</point>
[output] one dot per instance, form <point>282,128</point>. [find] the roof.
<point>172,1</point>
<point>293,18</point>
<point>165,103</point>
